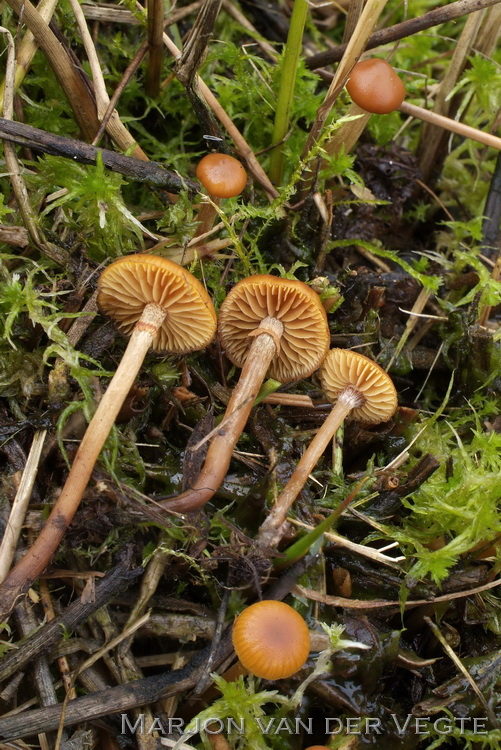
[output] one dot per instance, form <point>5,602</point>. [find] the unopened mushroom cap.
<point>221,175</point>
<point>305,337</point>
<point>132,282</point>
<point>342,368</point>
<point>374,86</point>
<point>271,639</point>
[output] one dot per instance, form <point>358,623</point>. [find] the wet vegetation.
<point>392,551</point>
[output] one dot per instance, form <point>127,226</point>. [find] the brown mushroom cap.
<point>342,368</point>
<point>374,86</point>
<point>271,639</point>
<point>305,337</point>
<point>132,282</point>
<point>221,175</point>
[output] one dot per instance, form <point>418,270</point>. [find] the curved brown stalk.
<point>261,352</point>
<point>40,553</point>
<point>269,534</point>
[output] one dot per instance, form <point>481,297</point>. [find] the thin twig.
<point>69,148</point>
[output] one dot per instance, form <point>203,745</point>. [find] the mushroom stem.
<point>205,217</point>
<point>263,349</point>
<point>65,507</point>
<point>269,534</point>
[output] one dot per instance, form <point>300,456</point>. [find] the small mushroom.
<point>164,307</point>
<point>374,86</point>
<point>266,324</point>
<point>222,176</point>
<point>356,385</point>
<point>271,640</point>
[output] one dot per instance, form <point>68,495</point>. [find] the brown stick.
<point>155,46</point>
<point>69,148</point>
<point>269,534</point>
<point>405,28</point>
<point>65,507</point>
<point>53,632</point>
<point>218,458</point>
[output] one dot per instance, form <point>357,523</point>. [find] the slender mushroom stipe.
<point>271,639</point>
<point>266,325</point>
<point>356,385</point>
<point>165,308</point>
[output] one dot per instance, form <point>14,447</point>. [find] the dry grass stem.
<point>116,129</point>
<point>487,139</point>
<point>27,48</point>
<point>432,136</point>
<point>79,97</point>
<point>348,134</point>
<point>20,504</point>
<point>417,308</point>
<point>11,161</point>
<point>359,549</point>
<point>354,49</point>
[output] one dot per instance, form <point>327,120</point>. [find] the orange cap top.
<point>374,86</point>
<point>221,175</point>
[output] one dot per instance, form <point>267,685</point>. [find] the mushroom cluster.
<point>271,639</point>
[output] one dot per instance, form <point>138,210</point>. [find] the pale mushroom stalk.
<point>357,385</point>
<point>65,507</point>
<point>266,324</point>
<point>262,350</point>
<point>347,401</point>
<point>153,298</point>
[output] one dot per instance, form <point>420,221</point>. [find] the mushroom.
<point>222,176</point>
<point>265,324</point>
<point>164,307</point>
<point>356,385</point>
<point>374,86</point>
<point>271,639</point>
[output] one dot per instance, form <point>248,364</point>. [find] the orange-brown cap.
<point>134,281</point>
<point>342,368</point>
<point>305,337</point>
<point>221,175</point>
<point>271,639</point>
<point>374,86</point>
